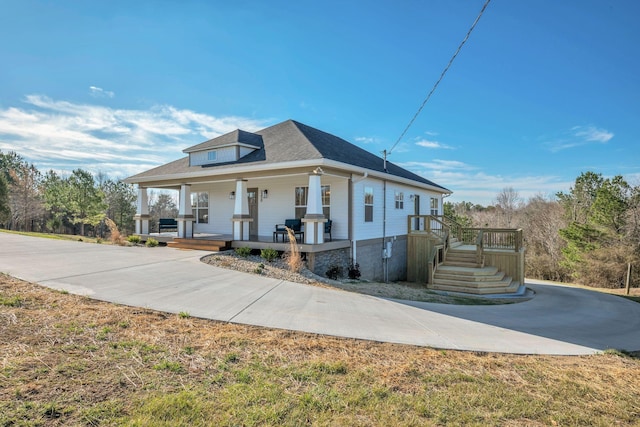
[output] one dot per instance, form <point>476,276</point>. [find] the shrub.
<point>14,301</point>
<point>334,272</point>
<point>259,269</point>
<point>269,254</point>
<point>354,271</point>
<point>134,239</point>
<point>243,252</point>
<point>151,242</point>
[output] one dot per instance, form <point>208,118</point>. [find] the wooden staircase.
<point>200,244</point>
<point>461,273</point>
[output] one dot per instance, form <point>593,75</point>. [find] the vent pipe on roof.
<point>384,158</point>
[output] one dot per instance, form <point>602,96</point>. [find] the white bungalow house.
<point>235,188</point>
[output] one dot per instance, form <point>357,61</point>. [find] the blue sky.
<point>542,91</point>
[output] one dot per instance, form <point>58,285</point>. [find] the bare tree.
<point>508,200</point>
<point>540,220</point>
<point>24,197</point>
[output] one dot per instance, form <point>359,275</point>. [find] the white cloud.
<point>433,144</point>
<point>578,136</point>
<point>98,92</point>
<point>437,164</point>
<point>63,135</point>
<point>365,139</point>
<point>471,184</point>
<point>592,134</point>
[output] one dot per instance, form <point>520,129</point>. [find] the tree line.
<point>587,235</point>
<point>77,203</point>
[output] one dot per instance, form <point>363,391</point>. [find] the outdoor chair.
<point>281,229</point>
<point>327,229</point>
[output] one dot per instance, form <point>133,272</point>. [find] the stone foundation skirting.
<point>369,258</point>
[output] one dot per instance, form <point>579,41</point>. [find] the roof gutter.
<point>313,163</point>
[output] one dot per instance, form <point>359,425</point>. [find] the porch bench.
<point>167,224</point>
<point>293,224</point>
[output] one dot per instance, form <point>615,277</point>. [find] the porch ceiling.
<point>175,182</point>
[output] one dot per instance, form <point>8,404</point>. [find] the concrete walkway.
<point>558,320</point>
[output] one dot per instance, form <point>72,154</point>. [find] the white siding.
<point>367,230</point>
<point>278,206</point>
<point>224,154</point>
<point>396,223</point>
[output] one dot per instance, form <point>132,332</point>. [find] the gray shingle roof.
<point>288,141</point>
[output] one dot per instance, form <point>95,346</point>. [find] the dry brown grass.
<point>70,360</point>
<point>114,234</point>
<point>292,257</point>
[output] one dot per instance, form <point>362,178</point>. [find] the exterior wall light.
<point>232,195</point>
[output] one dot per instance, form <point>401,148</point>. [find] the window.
<point>368,204</point>
<point>434,207</point>
<point>326,201</point>
<point>212,156</point>
<point>200,206</point>
<point>399,200</point>
<point>302,196</point>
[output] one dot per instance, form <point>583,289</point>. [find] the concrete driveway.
<point>558,320</point>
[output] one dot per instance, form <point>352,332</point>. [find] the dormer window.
<point>224,149</point>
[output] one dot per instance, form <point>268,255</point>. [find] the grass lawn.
<point>70,360</point>
<point>55,236</point>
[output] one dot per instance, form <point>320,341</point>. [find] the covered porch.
<point>247,210</point>
<point>219,242</point>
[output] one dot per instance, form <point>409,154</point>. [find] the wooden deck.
<point>219,242</point>
<point>446,256</point>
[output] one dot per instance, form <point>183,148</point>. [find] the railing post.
<point>479,248</point>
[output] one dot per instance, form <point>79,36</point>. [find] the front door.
<point>252,198</point>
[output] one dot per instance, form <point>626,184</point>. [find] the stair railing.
<point>432,265</point>
<point>479,249</point>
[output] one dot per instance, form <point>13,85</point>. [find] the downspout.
<point>352,182</point>
<point>385,264</point>
<point>385,258</point>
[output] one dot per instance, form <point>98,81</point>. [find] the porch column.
<point>142,212</point>
<point>314,219</point>
<point>241,218</point>
<point>185,214</point>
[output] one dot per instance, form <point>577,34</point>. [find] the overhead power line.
<point>441,77</point>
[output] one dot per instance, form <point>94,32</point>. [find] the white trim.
<point>260,167</point>
<point>213,147</point>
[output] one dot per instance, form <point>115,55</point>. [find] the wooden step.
<point>481,278</point>
<point>461,258</point>
<point>511,289</point>
<point>502,283</point>
<point>460,273</point>
<point>200,244</point>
